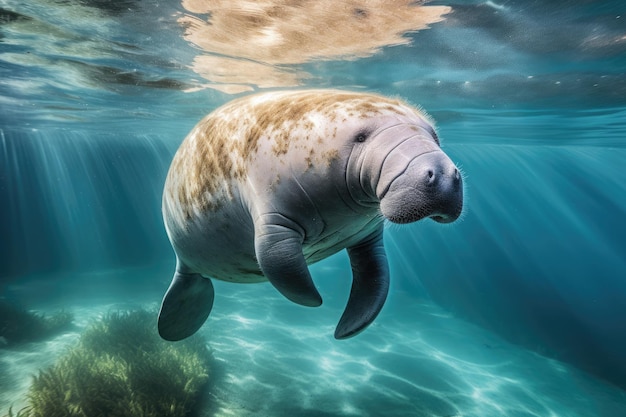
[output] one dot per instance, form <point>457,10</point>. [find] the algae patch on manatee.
<point>121,367</point>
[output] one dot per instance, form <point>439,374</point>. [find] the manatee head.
<point>400,164</point>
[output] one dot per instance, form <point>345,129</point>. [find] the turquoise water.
<point>517,309</point>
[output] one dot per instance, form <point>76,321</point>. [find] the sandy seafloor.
<point>274,358</point>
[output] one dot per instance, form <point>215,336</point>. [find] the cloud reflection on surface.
<point>251,43</point>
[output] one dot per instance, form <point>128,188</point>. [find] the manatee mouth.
<point>442,218</point>
<point>412,214</point>
<point>439,211</point>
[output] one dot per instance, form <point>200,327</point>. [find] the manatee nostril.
<point>432,176</point>
<point>457,175</point>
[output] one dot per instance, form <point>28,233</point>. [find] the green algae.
<point>18,325</point>
<point>122,368</point>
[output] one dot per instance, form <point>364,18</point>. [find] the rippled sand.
<point>274,358</point>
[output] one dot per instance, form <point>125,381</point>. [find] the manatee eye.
<point>361,137</point>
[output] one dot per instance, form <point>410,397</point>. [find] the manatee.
<point>270,183</point>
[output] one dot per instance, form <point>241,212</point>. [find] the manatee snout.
<point>430,186</point>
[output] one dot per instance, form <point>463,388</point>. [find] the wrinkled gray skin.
<point>288,213</point>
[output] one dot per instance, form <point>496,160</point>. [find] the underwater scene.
<point>396,208</point>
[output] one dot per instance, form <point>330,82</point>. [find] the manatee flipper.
<point>279,253</point>
<point>370,284</point>
<point>186,305</point>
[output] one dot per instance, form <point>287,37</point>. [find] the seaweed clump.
<point>18,325</point>
<point>121,367</point>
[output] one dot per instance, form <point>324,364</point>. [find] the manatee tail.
<point>186,305</point>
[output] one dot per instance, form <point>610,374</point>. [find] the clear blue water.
<point>518,309</point>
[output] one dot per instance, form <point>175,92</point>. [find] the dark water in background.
<point>530,100</point>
